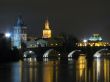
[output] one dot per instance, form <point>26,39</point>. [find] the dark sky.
<point>81,18</point>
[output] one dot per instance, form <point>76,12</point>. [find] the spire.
<point>47,25</point>
<point>47,30</point>
<point>19,21</point>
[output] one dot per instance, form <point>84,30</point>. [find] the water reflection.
<point>35,71</point>
<point>101,70</point>
<point>106,70</point>
<point>50,71</point>
<point>96,69</point>
<point>29,70</point>
<point>80,70</point>
<point>10,72</point>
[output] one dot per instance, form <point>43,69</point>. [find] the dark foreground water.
<point>81,70</point>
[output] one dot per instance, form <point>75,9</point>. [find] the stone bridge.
<point>63,52</point>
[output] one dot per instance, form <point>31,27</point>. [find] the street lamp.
<point>8,39</point>
<point>85,42</point>
<point>7,35</point>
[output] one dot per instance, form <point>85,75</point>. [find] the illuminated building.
<point>43,43</point>
<point>19,33</point>
<point>24,34</point>
<point>47,31</point>
<point>94,40</point>
<point>95,37</point>
<point>37,43</point>
<point>16,37</point>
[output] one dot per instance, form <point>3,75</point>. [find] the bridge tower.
<point>18,34</point>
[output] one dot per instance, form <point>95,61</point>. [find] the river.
<point>80,70</point>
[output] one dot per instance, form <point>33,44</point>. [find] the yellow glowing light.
<point>47,31</point>
<point>82,64</point>
<point>56,44</point>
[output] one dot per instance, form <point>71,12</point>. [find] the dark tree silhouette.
<point>69,39</point>
<point>6,53</point>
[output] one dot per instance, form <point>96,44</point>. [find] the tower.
<point>24,34</point>
<point>16,38</point>
<point>47,30</point>
<point>19,33</point>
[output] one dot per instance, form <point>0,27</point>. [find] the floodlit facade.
<point>94,40</point>
<point>19,33</point>
<point>16,37</point>
<point>43,43</point>
<point>37,43</point>
<point>47,31</point>
<point>95,37</point>
<point>24,34</point>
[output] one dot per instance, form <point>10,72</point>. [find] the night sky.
<point>81,18</point>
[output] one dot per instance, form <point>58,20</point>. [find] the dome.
<point>95,37</point>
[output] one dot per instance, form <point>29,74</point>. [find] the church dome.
<point>95,37</point>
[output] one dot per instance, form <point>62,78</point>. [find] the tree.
<point>69,40</point>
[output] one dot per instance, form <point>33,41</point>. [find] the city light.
<point>97,55</point>
<point>7,35</point>
<point>84,40</point>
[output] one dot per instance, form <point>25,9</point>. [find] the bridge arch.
<point>29,54</point>
<point>70,55</point>
<point>98,53</point>
<point>51,53</point>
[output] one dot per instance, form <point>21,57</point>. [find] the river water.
<point>80,70</point>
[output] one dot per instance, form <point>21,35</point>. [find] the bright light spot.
<point>47,53</point>
<point>56,44</point>
<point>59,54</point>
<point>7,35</point>
<point>30,52</point>
<point>84,40</point>
<point>100,39</point>
<point>98,67</point>
<point>97,55</point>
<point>72,53</point>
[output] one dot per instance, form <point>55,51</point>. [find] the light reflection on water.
<point>80,70</point>
<point>101,70</point>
